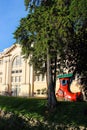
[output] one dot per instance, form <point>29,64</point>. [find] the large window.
<point>16,79</point>
<point>17,61</point>
<point>16,72</point>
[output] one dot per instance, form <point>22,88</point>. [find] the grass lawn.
<point>68,113</point>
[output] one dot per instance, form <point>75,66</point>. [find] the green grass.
<point>29,107</point>
<point>72,113</point>
<point>68,113</point>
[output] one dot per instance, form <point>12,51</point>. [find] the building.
<point>16,75</point>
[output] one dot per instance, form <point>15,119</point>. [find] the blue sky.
<point>11,11</point>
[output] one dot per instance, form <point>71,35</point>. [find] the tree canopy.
<point>78,11</point>
<point>54,33</point>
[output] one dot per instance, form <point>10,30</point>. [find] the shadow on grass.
<point>16,123</point>
<point>67,113</point>
<point>70,113</point>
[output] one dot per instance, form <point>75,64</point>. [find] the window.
<point>16,71</point>
<point>16,90</point>
<point>0,79</point>
<point>17,61</point>
<point>0,73</point>
<point>0,62</point>
<point>12,79</point>
<point>37,78</point>
<point>13,71</point>
<point>40,77</point>
<point>20,71</point>
<point>20,78</point>
<point>38,91</point>
<point>43,78</point>
<point>16,78</point>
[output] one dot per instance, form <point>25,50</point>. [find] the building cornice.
<point>7,51</point>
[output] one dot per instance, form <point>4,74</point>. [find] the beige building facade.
<point>17,76</point>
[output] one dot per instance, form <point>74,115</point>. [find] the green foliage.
<point>45,28</point>
<point>78,9</point>
<point>77,48</point>
<point>59,26</point>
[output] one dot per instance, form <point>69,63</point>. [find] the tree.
<point>50,33</point>
<point>78,46</point>
<point>78,14</point>
<point>45,28</point>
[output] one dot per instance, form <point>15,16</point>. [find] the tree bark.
<point>52,101</point>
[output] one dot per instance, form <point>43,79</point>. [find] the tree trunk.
<point>52,101</point>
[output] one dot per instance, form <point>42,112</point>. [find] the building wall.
<point>14,72</point>
<point>40,86</point>
<point>16,75</point>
